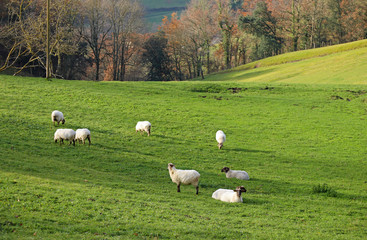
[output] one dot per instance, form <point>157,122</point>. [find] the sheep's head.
<point>220,145</point>
<point>170,166</point>
<point>63,121</point>
<point>240,189</point>
<point>225,169</point>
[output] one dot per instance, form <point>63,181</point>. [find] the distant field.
<point>340,64</point>
<point>157,9</point>
<point>292,139</point>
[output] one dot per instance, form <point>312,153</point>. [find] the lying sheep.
<point>221,138</point>
<point>186,177</point>
<point>143,126</point>
<point>82,134</point>
<point>57,116</point>
<point>228,195</point>
<point>65,134</point>
<point>235,174</point>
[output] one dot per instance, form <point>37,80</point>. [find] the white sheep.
<point>143,126</point>
<point>235,174</point>
<point>57,116</point>
<point>186,177</point>
<point>82,134</point>
<point>228,195</point>
<point>221,138</point>
<point>65,134</point>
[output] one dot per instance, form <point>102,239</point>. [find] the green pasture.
<point>303,145</point>
<point>157,9</point>
<point>340,64</point>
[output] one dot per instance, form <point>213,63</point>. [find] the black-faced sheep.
<point>57,116</point>
<point>82,134</point>
<point>186,177</point>
<point>65,134</point>
<point>235,174</point>
<point>228,195</point>
<point>221,138</point>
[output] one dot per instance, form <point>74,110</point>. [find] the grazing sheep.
<point>186,177</point>
<point>65,134</point>
<point>221,138</point>
<point>82,134</point>
<point>228,195</point>
<point>143,126</point>
<point>57,116</point>
<point>235,174</point>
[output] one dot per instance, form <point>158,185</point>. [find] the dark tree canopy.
<point>157,58</point>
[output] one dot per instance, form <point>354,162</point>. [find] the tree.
<point>94,30</point>
<point>156,57</point>
<point>263,25</point>
<point>227,22</point>
<point>200,30</point>
<point>125,19</point>
<point>25,33</point>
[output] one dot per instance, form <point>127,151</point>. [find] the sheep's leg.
<point>178,188</point>
<point>197,189</point>
<point>74,142</point>
<point>89,139</point>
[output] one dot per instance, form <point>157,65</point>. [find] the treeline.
<point>107,40</point>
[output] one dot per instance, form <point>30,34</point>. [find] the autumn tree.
<point>125,19</point>
<point>200,29</point>
<point>175,34</point>
<point>227,20</point>
<point>263,25</point>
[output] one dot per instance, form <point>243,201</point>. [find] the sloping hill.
<point>340,64</point>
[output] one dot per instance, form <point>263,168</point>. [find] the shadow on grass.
<point>246,150</point>
<point>253,201</point>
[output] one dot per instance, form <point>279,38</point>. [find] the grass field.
<point>339,64</point>
<point>303,145</point>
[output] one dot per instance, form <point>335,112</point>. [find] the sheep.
<point>65,134</point>
<point>228,195</point>
<point>143,126</point>
<point>221,138</point>
<point>186,177</point>
<point>82,134</point>
<point>235,174</point>
<point>57,116</point>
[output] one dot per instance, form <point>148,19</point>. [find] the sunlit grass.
<point>340,64</point>
<point>288,137</point>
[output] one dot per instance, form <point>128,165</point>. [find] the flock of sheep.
<point>178,176</point>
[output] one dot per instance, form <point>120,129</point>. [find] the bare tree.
<point>200,30</point>
<point>125,19</point>
<point>95,30</point>
<point>25,34</point>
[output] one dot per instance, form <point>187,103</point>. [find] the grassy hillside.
<point>291,139</point>
<point>340,64</point>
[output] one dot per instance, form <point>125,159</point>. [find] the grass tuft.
<point>324,188</point>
